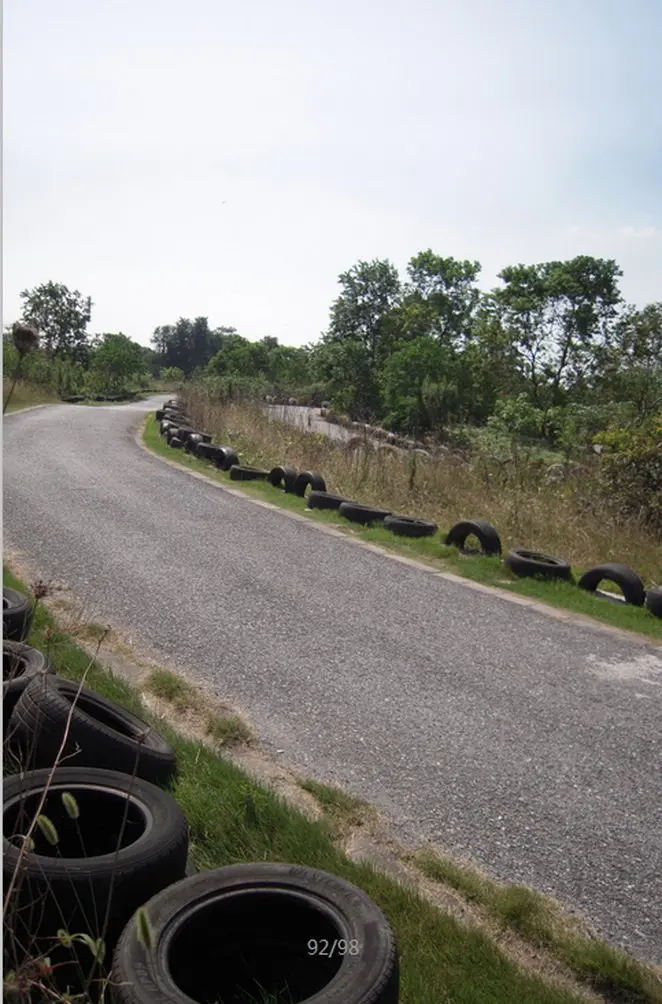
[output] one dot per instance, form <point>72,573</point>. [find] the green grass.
<point>234,819</point>
<point>429,550</point>
<point>170,687</point>
<point>227,730</point>
<point>607,970</point>
<point>343,811</point>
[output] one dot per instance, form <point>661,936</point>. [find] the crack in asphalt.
<point>530,745</point>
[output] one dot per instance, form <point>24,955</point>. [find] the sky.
<point>230,160</point>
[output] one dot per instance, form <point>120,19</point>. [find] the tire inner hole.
<point>96,831</point>
<point>12,665</point>
<point>255,946</point>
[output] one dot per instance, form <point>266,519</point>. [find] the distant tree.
<point>440,298</point>
<point>556,314</point>
<point>360,336</point>
<point>115,360</point>
<point>630,364</point>
<point>188,344</point>
<point>61,317</point>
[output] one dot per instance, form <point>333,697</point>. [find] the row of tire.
<point>179,433</point>
<point>110,842</point>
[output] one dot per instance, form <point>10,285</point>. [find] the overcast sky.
<point>231,159</point>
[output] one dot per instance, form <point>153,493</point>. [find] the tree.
<point>360,334</point>
<point>556,314</point>
<point>188,344</point>
<point>421,363</point>
<point>61,317</point>
<point>440,298</point>
<point>631,362</point>
<point>116,360</point>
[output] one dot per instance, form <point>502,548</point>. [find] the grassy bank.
<point>384,480</point>
<point>234,819</point>
<point>26,395</point>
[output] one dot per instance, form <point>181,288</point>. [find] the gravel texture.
<point>531,745</point>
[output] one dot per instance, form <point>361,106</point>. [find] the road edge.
<point>558,613</point>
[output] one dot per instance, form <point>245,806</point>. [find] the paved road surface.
<point>530,744</point>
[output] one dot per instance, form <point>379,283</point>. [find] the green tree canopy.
<point>62,317</point>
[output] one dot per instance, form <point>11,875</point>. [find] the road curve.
<point>529,744</point>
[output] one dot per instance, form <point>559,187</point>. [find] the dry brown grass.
<point>569,519</point>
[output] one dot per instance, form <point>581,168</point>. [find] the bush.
<point>631,472</point>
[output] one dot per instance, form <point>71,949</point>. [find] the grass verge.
<point>234,819</point>
<point>429,550</point>
<point>27,395</point>
<point>609,971</point>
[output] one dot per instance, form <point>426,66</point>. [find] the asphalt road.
<point>529,744</point>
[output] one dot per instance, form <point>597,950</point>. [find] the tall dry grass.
<point>571,519</point>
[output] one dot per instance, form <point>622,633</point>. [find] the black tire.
<point>363,514</point>
<point>73,398</point>
<point>159,414</point>
<point>256,927</point>
<point>72,885</point>
<point>184,431</point>
<point>488,538</point>
<point>100,732</point>
<point>654,600</point>
<point>204,451</point>
<point>282,477</point>
<point>176,443</point>
<point>225,458</point>
<point>16,615</point>
<point>325,500</point>
<point>20,664</point>
<point>205,437</point>
<point>307,479</point>
<point>620,575</point>
<point>407,526</point>
<point>526,563</point>
<point>192,443</point>
<point>238,473</point>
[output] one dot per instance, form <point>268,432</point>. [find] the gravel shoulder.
<point>530,745</point>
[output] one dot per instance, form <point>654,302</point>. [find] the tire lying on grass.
<point>526,563</point>
<point>654,601</point>
<point>620,575</point>
<point>16,615</point>
<point>247,931</point>
<point>100,732</point>
<point>282,477</point>
<point>128,841</point>
<point>238,473</point>
<point>192,443</point>
<point>306,479</point>
<point>20,664</point>
<point>176,443</point>
<point>488,538</point>
<point>225,458</point>
<point>325,500</point>
<point>407,526</point>
<point>363,514</point>
<point>158,414</point>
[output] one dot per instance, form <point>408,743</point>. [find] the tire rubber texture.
<point>266,914</point>
<point>621,575</point>
<point>307,479</point>
<point>192,443</point>
<point>159,414</point>
<point>100,732</point>
<point>238,473</point>
<point>226,457</point>
<point>16,615</point>
<point>525,563</point>
<point>20,664</point>
<point>408,526</point>
<point>363,514</point>
<point>324,500</point>
<point>176,443</point>
<point>184,431</point>
<point>654,601</point>
<point>73,891</point>
<point>282,477</point>
<point>490,542</point>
